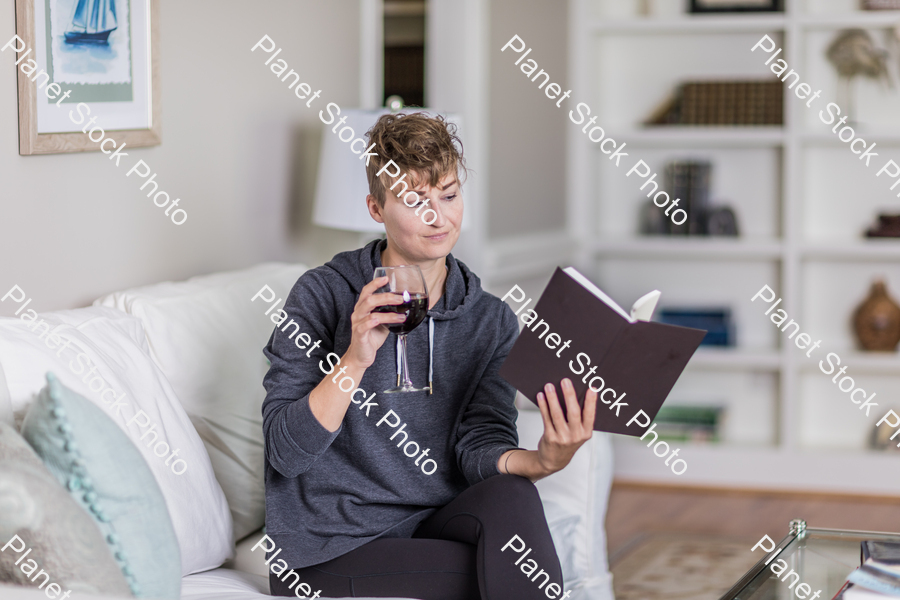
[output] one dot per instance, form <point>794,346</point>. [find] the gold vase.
<point>877,321</point>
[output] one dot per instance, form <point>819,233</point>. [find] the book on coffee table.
<point>873,579</point>
<point>881,554</point>
<point>878,575</point>
<point>577,331</point>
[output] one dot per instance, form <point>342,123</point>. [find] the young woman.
<point>351,511</point>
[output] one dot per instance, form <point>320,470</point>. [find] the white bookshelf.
<point>802,202</point>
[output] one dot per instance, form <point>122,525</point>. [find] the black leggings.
<point>455,554</point>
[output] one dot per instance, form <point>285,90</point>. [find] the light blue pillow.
<point>103,470</point>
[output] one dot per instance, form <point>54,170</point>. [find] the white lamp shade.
<point>342,186</point>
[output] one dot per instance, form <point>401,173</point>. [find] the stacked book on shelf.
<point>723,103</point>
<point>888,226</point>
<point>689,182</point>
<point>681,423</point>
<point>717,322</point>
<point>881,4</point>
<point>878,575</point>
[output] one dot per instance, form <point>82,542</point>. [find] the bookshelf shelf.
<point>874,250</point>
<point>696,447</point>
<point>688,24</point>
<point>883,136</point>
<point>765,467</point>
<point>802,202</point>
<point>859,362</point>
<point>740,23</point>
<point>708,357</point>
<point>873,19</point>
<point>662,247</point>
<point>704,136</point>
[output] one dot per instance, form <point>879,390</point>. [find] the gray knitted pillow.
<point>6,411</point>
<point>37,513</point>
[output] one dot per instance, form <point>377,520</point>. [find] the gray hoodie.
<point>396,457</point>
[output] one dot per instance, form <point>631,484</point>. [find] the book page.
<point>585,282</point>
<point>643,307</point>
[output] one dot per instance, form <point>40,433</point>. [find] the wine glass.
<point>407,282</point>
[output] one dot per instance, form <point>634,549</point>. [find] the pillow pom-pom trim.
<point>79,482</point>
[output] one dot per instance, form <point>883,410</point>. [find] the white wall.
<point>238,148</point>
<point>456,81</point>
<point>240,151</point>
<point>527,131</point>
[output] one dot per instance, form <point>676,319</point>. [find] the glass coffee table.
<point>823,558</point>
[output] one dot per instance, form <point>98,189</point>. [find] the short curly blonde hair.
<point>422,146</point>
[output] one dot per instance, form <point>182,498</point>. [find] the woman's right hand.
<point>369,328</point>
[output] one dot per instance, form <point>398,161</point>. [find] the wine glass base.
<point>404,388</point>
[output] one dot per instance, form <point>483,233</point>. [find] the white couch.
<point>206,336</point>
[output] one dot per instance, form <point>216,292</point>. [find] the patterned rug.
<point>680,567</point>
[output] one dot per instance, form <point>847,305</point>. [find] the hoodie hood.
<point>462,289</point>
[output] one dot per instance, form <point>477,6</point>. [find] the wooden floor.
<point>636,509</point>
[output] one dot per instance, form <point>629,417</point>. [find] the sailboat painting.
<point>90,42</point>
<point>92,22</point>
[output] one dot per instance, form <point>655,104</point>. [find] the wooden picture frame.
<point>144,95</point>
<point>720,6</point>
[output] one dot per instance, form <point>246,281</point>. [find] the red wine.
<point>415,310</point>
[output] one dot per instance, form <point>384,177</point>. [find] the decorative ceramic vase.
<point>877,321</point>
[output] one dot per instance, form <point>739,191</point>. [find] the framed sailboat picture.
<point>86,65</point>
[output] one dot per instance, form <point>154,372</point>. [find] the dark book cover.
<point>774,103</point>
<point>698,196</point>
<point>639,362</point>
<point>887,553</point>
<point>678,182</point>
<point>757,104</point>
<point>708,108</point>
<point>722,105</point>
<point>881,4</point>
<point>689,104</point>
<point>710,92</point>
<point>742,114</point>
<point>730,103</point>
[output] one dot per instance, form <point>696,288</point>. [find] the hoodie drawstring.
<point>430,357</point>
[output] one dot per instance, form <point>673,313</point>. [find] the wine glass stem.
<point>404,367</point>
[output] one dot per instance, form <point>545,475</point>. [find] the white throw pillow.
<point>102,354</point>
<point>207,336</point>
<point>575,501</point>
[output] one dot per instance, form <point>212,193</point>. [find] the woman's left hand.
<point>562,436</point>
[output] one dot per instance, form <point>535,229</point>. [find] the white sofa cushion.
<point>207,337</point>
<point>9,591</point>
<point>115,345</point>
<point>575,502</point>
<point>225,584</point>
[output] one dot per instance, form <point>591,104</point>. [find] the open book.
<point>577,331</point>
<point>641,310</point>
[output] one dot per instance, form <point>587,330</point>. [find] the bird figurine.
<point>853,53</point>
